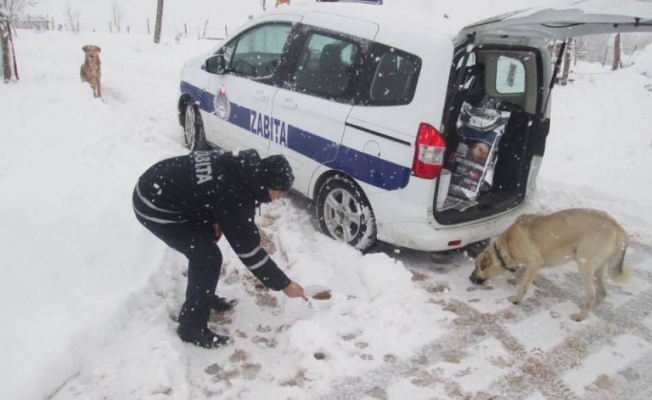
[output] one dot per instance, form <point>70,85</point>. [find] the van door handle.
<point>290,104</point>
<point>260,95</point>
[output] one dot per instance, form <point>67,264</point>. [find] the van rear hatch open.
<point>499,98</point>
<point>569,19</point>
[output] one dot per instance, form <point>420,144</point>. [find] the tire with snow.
<point>193,129</point>
<point>344,213</point>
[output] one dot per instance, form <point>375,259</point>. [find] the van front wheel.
<point>344,213</point>
<point>193,129</point>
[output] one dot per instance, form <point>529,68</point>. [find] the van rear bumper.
<point>426,237</point>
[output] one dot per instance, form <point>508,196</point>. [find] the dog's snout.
<point>476,280</point>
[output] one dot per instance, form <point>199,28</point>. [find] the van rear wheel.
<point>344,213</point>
<point>193,129</point>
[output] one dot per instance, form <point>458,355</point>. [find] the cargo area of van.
<point>492,132</point>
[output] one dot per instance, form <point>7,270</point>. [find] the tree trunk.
<point>13,55</point>
<point>10,67</point>
<point>616,63</point>
<point>159,22</point>
<point>4,51</point>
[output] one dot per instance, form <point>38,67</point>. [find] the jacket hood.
<point>248,168</point>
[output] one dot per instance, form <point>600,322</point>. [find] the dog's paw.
<point>578,317</point>
<point>514,299</point>
<point>598,301</point>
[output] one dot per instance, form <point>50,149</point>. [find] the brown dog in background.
<point>592,238</point>
<point>279,2</point>
<point>91,69</point>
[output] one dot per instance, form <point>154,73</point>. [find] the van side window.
<point>257,52</point>
<point>393,76</point>
<point>326,66</point>
<point>393,79</point>
<point>510,75</point>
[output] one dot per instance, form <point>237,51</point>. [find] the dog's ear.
<point>98,48</point>
<point>484,261</point>
<point>86,48</point>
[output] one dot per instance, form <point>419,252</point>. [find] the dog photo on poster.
<point>480,128</point>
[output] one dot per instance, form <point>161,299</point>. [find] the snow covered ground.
<point>88,297</point>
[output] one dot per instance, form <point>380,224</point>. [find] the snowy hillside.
<point>89,297</point>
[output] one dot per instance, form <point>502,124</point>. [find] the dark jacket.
<point>208,187</point>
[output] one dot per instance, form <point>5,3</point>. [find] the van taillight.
<point>428,153</point>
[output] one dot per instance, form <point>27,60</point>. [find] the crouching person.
<point>190,201</point>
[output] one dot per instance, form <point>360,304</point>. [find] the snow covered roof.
<point>386,14</point>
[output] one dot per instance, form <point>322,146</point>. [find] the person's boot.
<point>220,304</point>
<point>203,337</point>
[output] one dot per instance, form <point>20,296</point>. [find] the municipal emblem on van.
<point>222,105</point>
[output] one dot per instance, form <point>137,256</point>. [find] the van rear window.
<point>510,75</point>
<point>394,78</point>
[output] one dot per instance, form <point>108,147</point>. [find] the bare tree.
<point>116,15</point>
<point>264,4</point>
<point>159,22</point>
<point>17,7</point>
<point>72,19</point>
<point>5,47</point>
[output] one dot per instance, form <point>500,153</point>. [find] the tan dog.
<point>279,2</point>
<point>592,238</point>
<point>91,69</point>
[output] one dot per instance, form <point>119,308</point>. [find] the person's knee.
<point>205,259</point>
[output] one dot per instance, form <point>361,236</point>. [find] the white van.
<point>398,132</point>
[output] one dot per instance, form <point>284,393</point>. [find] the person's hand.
<point>217,231</point>
<point>295,290</point>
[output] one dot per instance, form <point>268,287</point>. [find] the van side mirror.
<point>215,64</point>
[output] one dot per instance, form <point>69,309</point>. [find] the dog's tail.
<point>618,272</point>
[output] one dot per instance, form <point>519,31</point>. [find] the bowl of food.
<point>319,297</point>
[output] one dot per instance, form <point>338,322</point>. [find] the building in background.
<point>35,22</point>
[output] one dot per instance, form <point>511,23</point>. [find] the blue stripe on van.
<point>363,167</point>
<point>241,117</point>
<point>369,169</point>
<point>310,145</point>
<point>205,99</point>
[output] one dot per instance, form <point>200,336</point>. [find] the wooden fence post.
<point>616,63</point>
<point>159,22</point>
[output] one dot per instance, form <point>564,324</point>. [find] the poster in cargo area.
<point>480,128</point>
